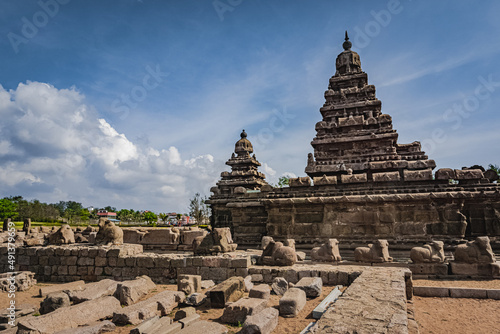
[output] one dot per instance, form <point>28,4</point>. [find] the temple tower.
<point>355,137</point>
<point>244,169</point>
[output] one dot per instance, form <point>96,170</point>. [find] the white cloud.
<point>55,147</point>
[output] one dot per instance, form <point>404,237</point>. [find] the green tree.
<point>8,208</point>
<point>198,209</point>
<point>496,168</point>
<point>150,217</point>
<point>283,182</point>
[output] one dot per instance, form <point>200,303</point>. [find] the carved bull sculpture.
<point>62,236</point>
<point>328,252</point>
<point>477,251</point>
<point>429,253</point>
<point>278,255</point>
<point>376,252</point>
<point>109,233</point>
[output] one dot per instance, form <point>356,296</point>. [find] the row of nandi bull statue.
<point>105,234</point>
<point>478,251</point>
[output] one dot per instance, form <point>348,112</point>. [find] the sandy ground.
<point>457,315</point>
<point>434,315</point>
<point>285,326</point>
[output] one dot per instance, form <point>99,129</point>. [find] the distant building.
<point>108,215</point>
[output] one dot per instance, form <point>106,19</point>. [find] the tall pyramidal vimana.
<point>361,185</point>
<point>354,133</point>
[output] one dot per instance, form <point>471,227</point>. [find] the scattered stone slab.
<point>261,291</point>
<point>129,292</point>
<point>173,328</point>
<point>72,286</point>
<point>195,299</point>
<point>189,284</point>
<point>157,325</point>
<point>10,330</point>
<point>312,286</point>
<point>19,311</point>
<point>292,302</point>
<point>53,301</point>
<point>23,280</point>
<point>147,326</point>
<point>207,284</point>
<point>263,322</point>
<point>160,304</point>
<point>70,317</point>
<point>279,286</point>
<point>204,327</point>
<point>238,311</point>
<point>230,290</point>
<point>248,283</point>
<point>94,328</point>
<point>331,298</point>
<point>189,320</point>
<point>184,312</point>
<point>106,287</point>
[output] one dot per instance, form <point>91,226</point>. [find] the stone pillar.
<point>6,224</point>
<point>27,225</point>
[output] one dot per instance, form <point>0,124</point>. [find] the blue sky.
<point>138,104</point>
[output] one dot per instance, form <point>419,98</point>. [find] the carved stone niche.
<point>354,178</point>
<point>419,164</point>
<point>386,177</point>
<point>324,180</point>
<point>418,175</point>
<point>300,182</point>
<point>266,188</point>
<point>240,190</point>
<point>468,174</point>
<point>445,174</point>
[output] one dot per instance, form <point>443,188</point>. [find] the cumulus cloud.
<point>54,146</point>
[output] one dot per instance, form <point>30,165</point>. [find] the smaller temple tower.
<point>244,167</point>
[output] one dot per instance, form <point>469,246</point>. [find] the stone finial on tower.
<point>347,44</point>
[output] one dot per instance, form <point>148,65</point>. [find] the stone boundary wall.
<point>433,291</point>
<point>93,263</point>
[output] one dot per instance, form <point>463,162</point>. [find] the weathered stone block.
<point>468,293</point>
<point>93,291</point>
<point>430,291</point>
<point>160,304</point>
<point>292,302</point>
<point>70,317</point>
<point>228,291</point>
<point>53,301</point>
<point>263,322</point>
<point>189,284</point>
<point>312,286</point>
<point>238,311</point>
<point>129,292</point>
<point>261,291</point>
<point>203,327</point>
